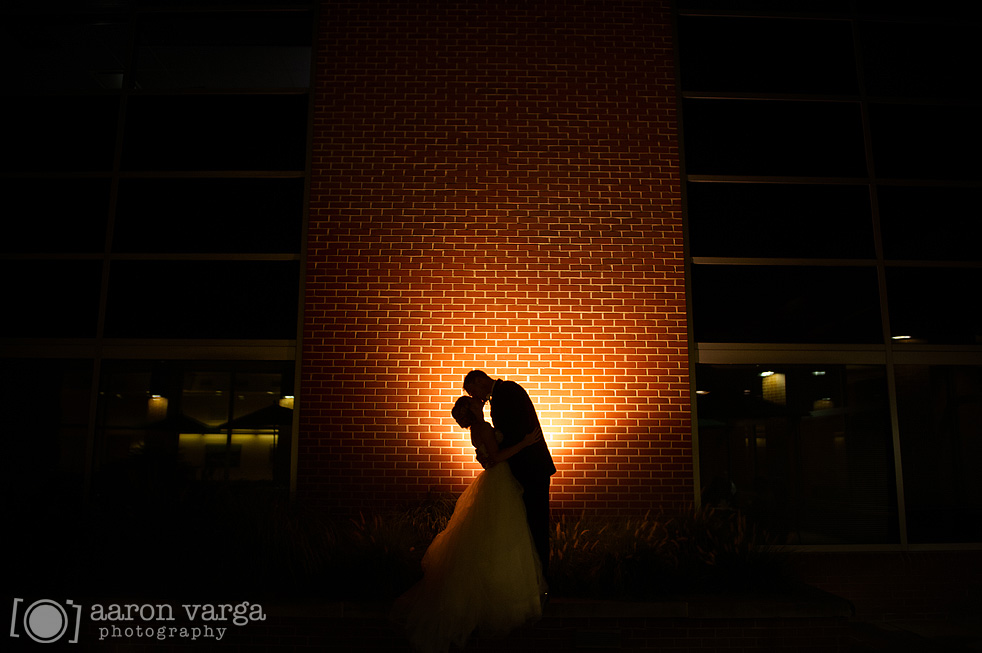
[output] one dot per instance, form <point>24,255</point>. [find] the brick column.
<point>495,186</point>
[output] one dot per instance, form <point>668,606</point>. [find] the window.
<point>941,444</point>
<point>209,215</point>
<point>737,54</point>
<point>224,50</point>
<point>216,132</point>
<point>918,223</point>
<point>780,220</point>
<point>785,304</point>
<point>203,299</point>
<point>750,137</point>
<point>166,426</point>
<point>805,451</point>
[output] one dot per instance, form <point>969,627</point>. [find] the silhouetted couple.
<point>486,571</point>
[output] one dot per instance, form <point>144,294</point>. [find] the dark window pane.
<point>776,6</point>
<point>63,52</point>
<point>55,215</point>
<point>224,50</point>
<point>45,413</point>
<point>59,133</point>
<point>943,65</point>
<point>938,306</point>
<point>804,451</point>
<point>732,137</point>
<point>766,55</point>
<point>939,223</point>
<point>735,303</point>
<point>949,10</point>
<point>203,299</point>
<point>779,220</point>
<point>50,298</point>
<point>929,142</point>
<point>940,410</point>
<point>216,132</point>
<point>209,215</point>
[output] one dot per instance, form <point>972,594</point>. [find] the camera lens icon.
<point>46,621</point>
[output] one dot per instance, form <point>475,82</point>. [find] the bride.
<point>481,573</point>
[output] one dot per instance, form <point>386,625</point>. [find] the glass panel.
<point>45,413</point>
<point>779,220</point>
<point>224,50</point>
<point>203,299</point>
<point>735,303</point>
<point>926,142</point>
<point>804,451</point>
<point>54,215</point>
<point>766,55</point>
<point>943,65</point>
<point>733,137</point>
<point>950,10</point>
<point>59,133</point>
<point>775,6</point>
<point>936,306</point>
<point>63,52</point>
<point>50,298</point>
<point>933,223</point>
<point>216,132</point>
<point>209,215</point>
<point>165,425</point>
<point>940,411</point>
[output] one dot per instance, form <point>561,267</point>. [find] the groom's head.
<point>478,385</point>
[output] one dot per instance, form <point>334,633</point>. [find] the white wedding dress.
<point>481,573</point>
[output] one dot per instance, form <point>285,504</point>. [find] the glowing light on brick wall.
<point>481,211</point>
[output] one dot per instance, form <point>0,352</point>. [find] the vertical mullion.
<point>882,282</point>
<point>129,58</point>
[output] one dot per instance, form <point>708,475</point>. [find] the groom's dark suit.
<point>514,415</point>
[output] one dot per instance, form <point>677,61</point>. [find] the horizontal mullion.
<point>152,256</point>
<point>158,174</point>
<point>111,348</point>
<point>777,179</point>
<point>762,261</point>
<point>793,97</point>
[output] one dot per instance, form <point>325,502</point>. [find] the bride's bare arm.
<point>496,455</point>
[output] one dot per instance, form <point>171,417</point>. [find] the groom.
<point>513,414</point>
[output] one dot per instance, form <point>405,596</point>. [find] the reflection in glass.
<point>165,426</point>
<point>940,411</point>
<point>804,451</point>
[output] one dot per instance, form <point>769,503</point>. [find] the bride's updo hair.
<point>462,411</point>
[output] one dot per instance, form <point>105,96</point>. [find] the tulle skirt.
<point>480,574</point>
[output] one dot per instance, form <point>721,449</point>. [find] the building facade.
<point>728,249</point>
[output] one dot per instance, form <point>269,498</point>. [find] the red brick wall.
<point>495,186</point>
